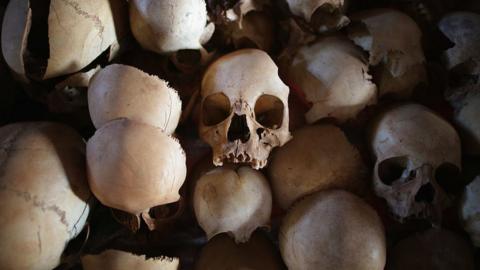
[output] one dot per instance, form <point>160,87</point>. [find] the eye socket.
<point>390,170</point>
<point>269,111</point>
<point>448,177</point>
<point>215,109</point>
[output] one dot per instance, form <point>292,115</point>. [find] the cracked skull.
<point>334,77</point>
<point>244,110</point>
<point>418,159</point>
<point>45,197</point>
<point>393,41</point>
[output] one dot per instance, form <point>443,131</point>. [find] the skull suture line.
<point>418,159</point>
<point>244,110</point>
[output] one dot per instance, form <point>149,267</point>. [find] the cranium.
<point>463,59</point>
<point>47,39</point>
<point>467,119</point>
<point>319,157</point>
<point>325,230</point>
<point>323,15</point>
<point>244,109</point>
<point>418,158</point>
<point>393,41</point>
<point>470,212</point>
<point>463,29</point>
<point>434,249</point>
<point>233,201</point>
<point>170,25</point>
<point>334,77</point>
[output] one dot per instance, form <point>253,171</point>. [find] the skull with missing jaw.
<point>244,108</point>
<point>418,161</point>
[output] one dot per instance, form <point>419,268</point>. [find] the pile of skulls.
<point>240,134</point>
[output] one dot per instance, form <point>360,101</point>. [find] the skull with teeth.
<point>418,160</point>
<point>244,109</point>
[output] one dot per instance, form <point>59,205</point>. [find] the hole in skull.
<point>238,129</point>
<point>189,57</point>
<point>164,211</point>
<point>425,194</point>
<point>269,111</point>
<point>260,131</point>
<point>38,47</point>
<point>392,169</point>
<point>216,108</point>
<point>327,16</point>
<point>447,176</point>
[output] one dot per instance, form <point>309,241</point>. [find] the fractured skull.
<point>321,15</point>
<point>244,108</point>
<point>418,159</point>
<point>393,41</point>
<point>333,75</point>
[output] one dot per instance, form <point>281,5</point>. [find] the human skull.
<point>463,59</point>
<point>463,29</point>
<point>418,158</point>
<point>323,15</point>
<point>119,91</point>
<point>133,167</point>
<point>319,157</point>
<point>434,249</point>
<point>470,212</point>
<point>393,41</point>
<point>244,108</point>
<point>221,253</point>
<point>467,119</point>
<point>170,25</point>
<point>47,39</point>
<point>334,78</point>
<point>232,201</point>
<point>325,231</point>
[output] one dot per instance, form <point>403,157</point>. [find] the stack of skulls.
<point>133,162</point>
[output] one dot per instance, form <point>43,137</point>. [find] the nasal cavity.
<point>238,129</point>
<point>425,194</point>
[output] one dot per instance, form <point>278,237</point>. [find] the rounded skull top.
<point>233,201</point>
<point>394,43</point>
<point>119,91</point>
<point>435,248</point>
<point>333,75</point>
<point>44,191</point>
<point>418,158</point>
<point>332,230</point>
<point>134,166</point>
<point>47,39</point>
<point>168,26</point>
<point>319,157</point>
<point>244,109</point>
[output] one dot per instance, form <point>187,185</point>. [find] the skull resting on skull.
<point>244,108</point>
